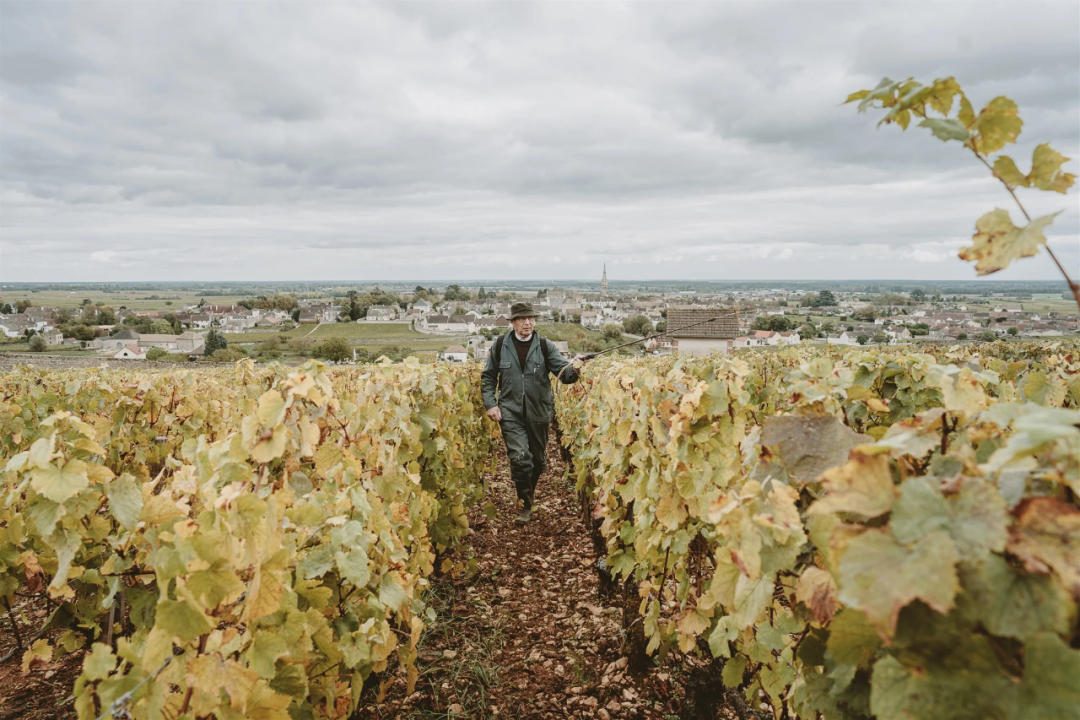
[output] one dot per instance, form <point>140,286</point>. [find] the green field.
<point>138,299</point>
<point>349,331</point>
<point>364,331</point>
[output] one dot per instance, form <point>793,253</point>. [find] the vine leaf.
<point>816,590</point>
<point>975,518</point>
<point>997,242</point>
<point>1046,536</point>
<point>182,619</point>
<point>211,675</point>
<point>1046,171</point>
<point>863,485</point>
<point>880,576</point>
<point>996,125</point>
<point>1012,603</point>
<point>61,483</point>
<point>1005,168</point>
<point>125,500</point>
<point>946,129</point>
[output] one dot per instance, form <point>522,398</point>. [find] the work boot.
<point>526,511</point>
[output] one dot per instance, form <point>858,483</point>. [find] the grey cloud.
<point>406,138</point>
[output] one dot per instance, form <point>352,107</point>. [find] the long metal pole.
<point>590,356</point>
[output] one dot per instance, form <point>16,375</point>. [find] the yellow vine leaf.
<point>863,485</point>
<point>997,242</point>
<point>1046,536</point>
<point>996,125</point>
<point>816,590</point>
<point>1046,173</point>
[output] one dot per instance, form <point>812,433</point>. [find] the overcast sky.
<point>309,141</point>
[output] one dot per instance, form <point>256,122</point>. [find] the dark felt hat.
<point>522,310</point>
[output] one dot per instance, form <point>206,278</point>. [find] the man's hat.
<point>522,310</point>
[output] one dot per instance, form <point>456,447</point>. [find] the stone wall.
<point>44,361</point>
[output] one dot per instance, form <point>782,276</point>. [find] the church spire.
<point>603,281</point>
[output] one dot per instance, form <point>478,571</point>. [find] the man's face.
<point>524,326</point>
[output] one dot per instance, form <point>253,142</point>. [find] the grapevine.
<point>876,524</point>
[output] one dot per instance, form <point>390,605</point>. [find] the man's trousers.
<point>526,446</point>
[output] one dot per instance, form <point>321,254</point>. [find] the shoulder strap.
<point>498,352</point>
<point>546,348</point>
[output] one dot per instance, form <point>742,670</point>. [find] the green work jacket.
<point>524,393</point>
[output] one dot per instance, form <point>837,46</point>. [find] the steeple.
<point>603,281</point>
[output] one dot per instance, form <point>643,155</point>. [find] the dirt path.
<point>527,637</point>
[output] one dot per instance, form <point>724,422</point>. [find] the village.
<point>468,319</point>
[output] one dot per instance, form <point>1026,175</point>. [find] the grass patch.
<point>366,331</point>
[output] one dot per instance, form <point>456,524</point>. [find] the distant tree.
<point>866,315</point>
<point>862,339</point>
<point>661,326</point>
<point>284,302</point>
<point>850,328</point>
<point>296,314</point>
<point>881,338</point>
<point>156,353</point>
<point>352,308</point>
<point>21,305</point>
<point>987,336</point>
<point>161,327</point>
<point>84,333</point>
<point>776,323</point>
<point>173,323</point>
<point>87,301</point>
<point>638,325</point>
<point>481,294</point>
<point>962,336</point>
<point>37,344</point>
<point>334,349</point>
<point>828,327</point>
<point>107,316</point>
<point>246,303</point>
<point>541,293</point>
<point>202,301</point>
<point>612,331</point>
<point>229,354</point>
<point>825,298</point>
<point>214,341</point>
<point>1013,330</point>
<point>7,309</point>
<point>456,292</point>
<point>918,295</point>
<point>918,329</point>
<point>807,331</point>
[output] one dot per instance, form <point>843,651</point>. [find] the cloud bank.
<point>421,141</point>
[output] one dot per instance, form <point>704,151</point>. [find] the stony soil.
<point>44,691</point>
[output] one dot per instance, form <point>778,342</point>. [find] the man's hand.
<point>495,414</point>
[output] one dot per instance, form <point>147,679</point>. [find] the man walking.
<point>517,395</point>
